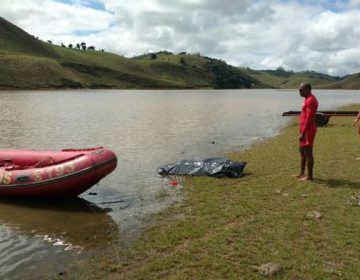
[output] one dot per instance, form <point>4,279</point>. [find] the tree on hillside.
<point>49,41</point>
<point>91,48</point>
<point>226,76</point>
<point>83,46</point>
<point>153,56</point>
<point>70,46</point>
<point>78,46</point>
<point>280,71</point>
<point>62,44</point>
<point>182,61</point>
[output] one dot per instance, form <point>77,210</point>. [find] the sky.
<point>298,35</point>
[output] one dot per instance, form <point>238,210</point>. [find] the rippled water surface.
<point>145,129</point>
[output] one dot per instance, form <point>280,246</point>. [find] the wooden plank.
<point>326,113</point>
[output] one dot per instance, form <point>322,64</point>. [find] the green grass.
<point>227,227</point>
<point>45,72</point>
<point>193,60</point>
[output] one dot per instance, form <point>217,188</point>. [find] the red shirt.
<point>308,112</point>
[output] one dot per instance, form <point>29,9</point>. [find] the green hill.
<point>318,80</point>
<point>29,63</point>
<point>349,82</point>
<point>288,79</point>
<point>14,40</point>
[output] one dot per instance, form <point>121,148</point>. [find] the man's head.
<point>305,89</point>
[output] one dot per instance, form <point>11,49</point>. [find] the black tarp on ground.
<point>216,167</point>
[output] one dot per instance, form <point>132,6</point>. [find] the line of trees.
<point>79,46</point>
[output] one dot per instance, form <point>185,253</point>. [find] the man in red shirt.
<point>307,131</point>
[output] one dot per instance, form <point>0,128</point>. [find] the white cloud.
<point>354,4</point>
<point>51,19</point>
<point>257,34</point>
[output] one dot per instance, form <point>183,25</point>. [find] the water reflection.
<point>76,222</point>
<point>50,233</point>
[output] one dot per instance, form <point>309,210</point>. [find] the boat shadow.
<point>71,204</point>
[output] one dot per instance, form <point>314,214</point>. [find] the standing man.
<point>307,131</point>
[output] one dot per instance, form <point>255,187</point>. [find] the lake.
<point>146,129</point>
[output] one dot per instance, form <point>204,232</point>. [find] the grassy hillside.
<point>289,79</point>
<point>267,78</point>
<point>221,74</point>
<point>14,40</point>
<point>26,62</point>
<point>350,82</point>
<point>29,63</point>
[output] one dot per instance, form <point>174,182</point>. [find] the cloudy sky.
<point>298,35</point>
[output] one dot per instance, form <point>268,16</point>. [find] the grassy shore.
<point>226,228</point>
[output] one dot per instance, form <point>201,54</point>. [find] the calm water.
<point>145,129</point>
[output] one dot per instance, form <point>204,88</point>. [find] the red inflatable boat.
<point>53,174</point>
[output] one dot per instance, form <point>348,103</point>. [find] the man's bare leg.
<point>302,163</point>
<point>309,163</point>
